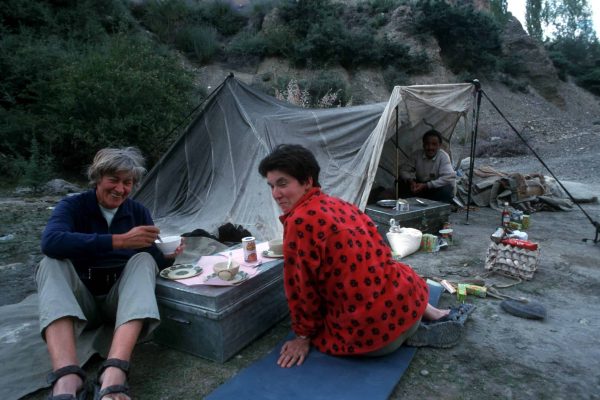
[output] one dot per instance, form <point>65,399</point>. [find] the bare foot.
<point>68,384</point>
<point>432,313</point>
<point>110,377</point>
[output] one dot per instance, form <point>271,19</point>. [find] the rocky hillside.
<point>533,98</point>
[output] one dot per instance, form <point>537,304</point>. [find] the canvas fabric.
<point>210,174</point>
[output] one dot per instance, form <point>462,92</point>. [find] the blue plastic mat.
<point>321,376</point>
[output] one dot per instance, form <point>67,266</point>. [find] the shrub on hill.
<point>320,34</point>
<point>76,76</point>
<point>469,40</point>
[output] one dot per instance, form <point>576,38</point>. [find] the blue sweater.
<point>78,231</point>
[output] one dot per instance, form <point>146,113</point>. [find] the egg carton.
<point>512,260</point>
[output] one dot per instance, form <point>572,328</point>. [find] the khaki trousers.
<point>62,294</point>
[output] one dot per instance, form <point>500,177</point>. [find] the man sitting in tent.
<point>429,173</point>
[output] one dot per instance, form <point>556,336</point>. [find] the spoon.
<point>229,261</point>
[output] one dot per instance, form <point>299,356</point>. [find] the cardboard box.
<point>217,322</point>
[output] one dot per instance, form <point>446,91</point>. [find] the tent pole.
<point>595,224</point>
<point>397,157</point>
<point>473,144</point>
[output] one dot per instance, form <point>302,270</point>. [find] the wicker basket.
<point>512,260</point>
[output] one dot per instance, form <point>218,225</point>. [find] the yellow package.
<point>480,291</point>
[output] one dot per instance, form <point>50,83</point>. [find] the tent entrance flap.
<point>210,176</point>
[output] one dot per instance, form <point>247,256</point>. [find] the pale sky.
<point>517,8</point>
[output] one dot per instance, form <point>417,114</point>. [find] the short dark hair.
<point>294,160</point>
<point>433,133</point>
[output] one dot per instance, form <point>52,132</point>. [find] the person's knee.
<point>141,264</point>
<point>55,268</point>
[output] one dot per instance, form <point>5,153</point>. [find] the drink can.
<point>249,246</point>
<point>525,221</point>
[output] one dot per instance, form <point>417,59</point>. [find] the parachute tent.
<point>210,176</point>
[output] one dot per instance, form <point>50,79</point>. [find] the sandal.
<point>114,389</point>
<point>444,332</point>
<point>59,373</point>
<point>457,314</point>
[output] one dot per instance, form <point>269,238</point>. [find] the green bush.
<point>560,62</point>
<point>171,19</point>
<point>163,18</point>
<point>383,6</point>
<point>324,83</point>
<point>199,43</point>
<point>77,76</point>
<point>248,45</point>
<point>317,34</point>
<point>323,45</point>
<point>577,57</point>
<point>469,40</point>
<point>326,89</point>
<point>120,93</point>
<point>591,80</point>
<point>220,15</point>
<point>38,169</point>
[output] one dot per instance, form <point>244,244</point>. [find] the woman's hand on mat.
<point>293,352</point>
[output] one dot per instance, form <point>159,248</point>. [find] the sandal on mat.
<point>113,389</point>
<point>59,373</point>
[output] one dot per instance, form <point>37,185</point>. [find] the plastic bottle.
<point>505,216</point>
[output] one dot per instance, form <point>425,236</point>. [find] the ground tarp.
<point>209,176</point>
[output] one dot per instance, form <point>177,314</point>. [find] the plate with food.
<point>181,271</point>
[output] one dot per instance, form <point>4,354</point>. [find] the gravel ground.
<point>500,356</point>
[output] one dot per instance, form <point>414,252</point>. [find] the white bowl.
<point>276,246</point>
<point>168,245</point>
<point>225,273</point>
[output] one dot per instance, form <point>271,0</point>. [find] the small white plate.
<point>270,254</point>
<point>180,271</point>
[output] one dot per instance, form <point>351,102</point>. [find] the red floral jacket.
<point>344,289</point>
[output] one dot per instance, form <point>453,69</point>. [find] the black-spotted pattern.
<point>342,285</point>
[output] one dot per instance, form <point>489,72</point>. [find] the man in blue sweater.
<point>100,264</point>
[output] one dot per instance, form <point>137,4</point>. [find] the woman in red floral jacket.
<point>345,292</point>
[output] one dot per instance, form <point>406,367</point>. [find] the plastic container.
<point>446,234</point>
<point>249,246</point>
<point>505,216</point>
